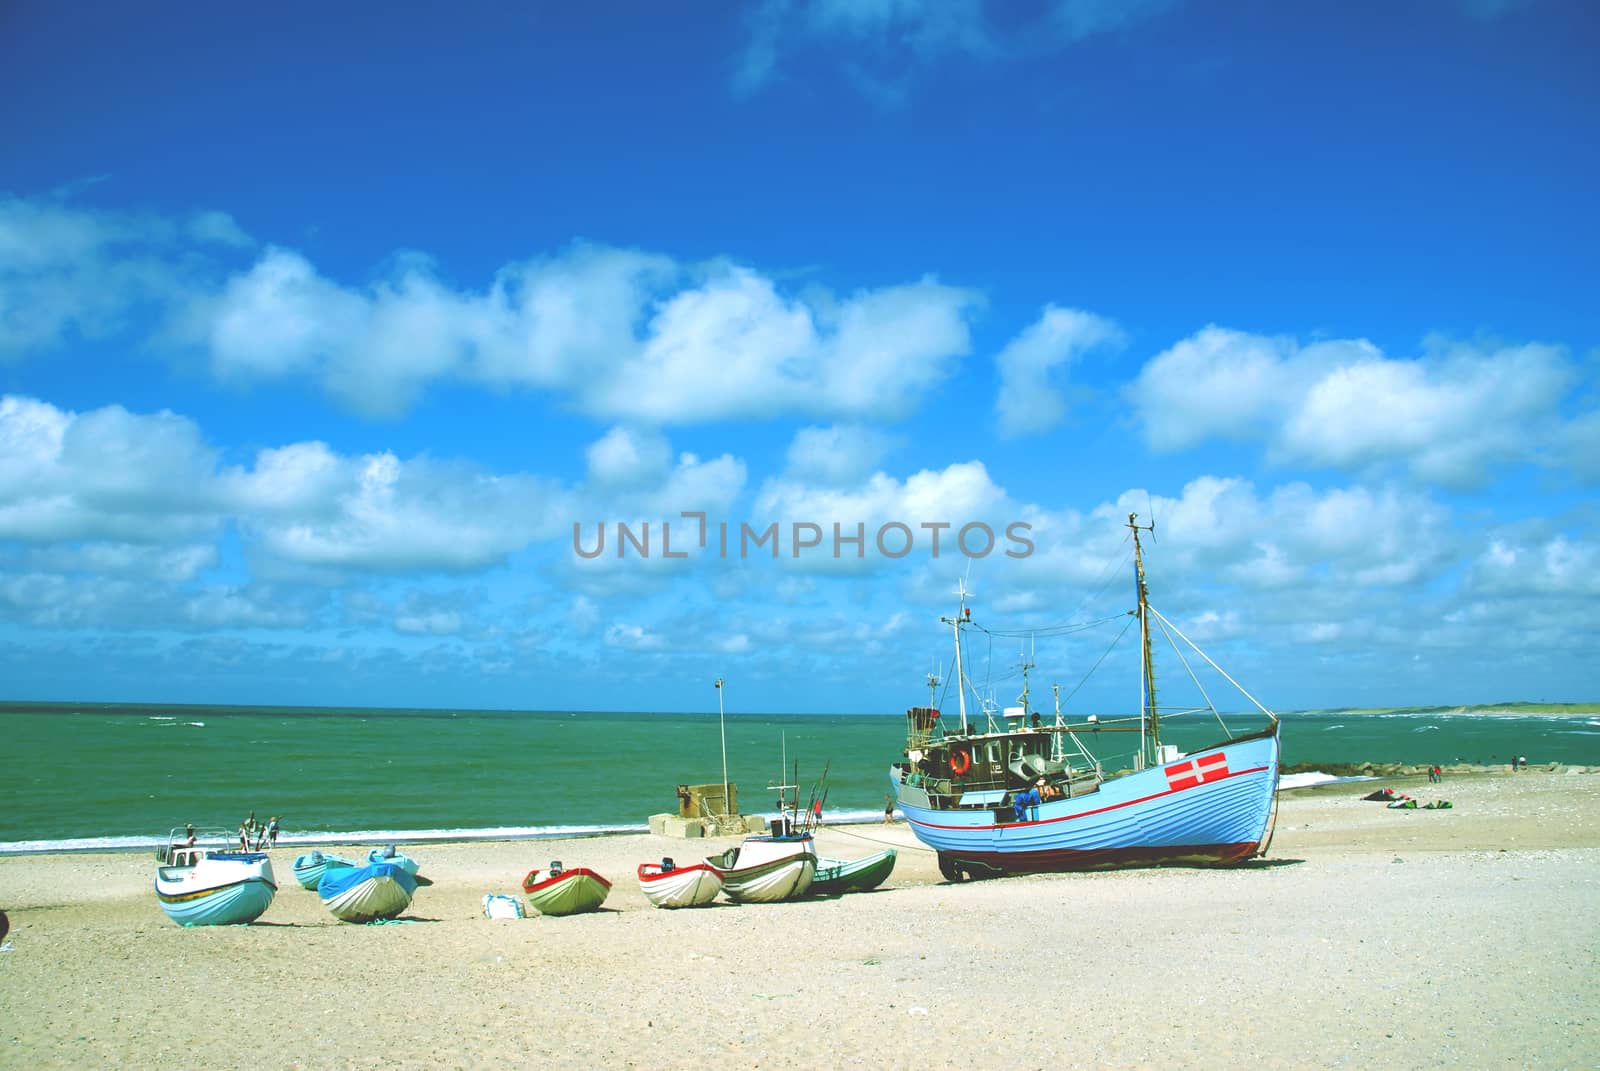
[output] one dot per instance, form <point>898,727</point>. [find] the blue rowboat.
<point>394,858</point>
<point>367,893</point>
<point>309,868</point>
<point>199,887</point>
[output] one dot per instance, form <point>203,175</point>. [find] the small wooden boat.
<point>766,869</point>
<point>367,893</point>
<point>309,868</point>
<point>836,876</point>
<point>557,891</point>
<point>212,886</point>
<point>666,884</point>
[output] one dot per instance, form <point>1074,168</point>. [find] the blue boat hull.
<point>225,890</point>
<point>1210,808</point>
<point>367,893</point>
<point>309,873</point>
<point>399,859</point>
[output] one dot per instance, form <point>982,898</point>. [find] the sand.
<point>1369,938</point>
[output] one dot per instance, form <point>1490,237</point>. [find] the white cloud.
<point>130,602</point>
<point>66,270</point>
<point>1221,533</point>
<point>955,494</point>
<point>553,322</point>
<point>278,318</point>
<point>1449,417</point>
<point>620,334</point>
<point>244,607</point>
<point>649,501</point>
<point>386,515</point>
<point>1227,384</point>
<point>633,475</point>
<point>837,454</point>
<point>883,47</point>
<point>634,638</point>
<point>167,564</point>
<point>433,623</point>
<point>584,616</point>
<point>628,458</point>
<point>103,475</point>
<point>111,476</point>
<point>1578,446</point>
<point>616,331</point>
<point>735,348</point>
<point>1525,562</point>
<point>1033,364</point>
<point>931,505</point>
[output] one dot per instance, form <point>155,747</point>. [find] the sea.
<point>121,776</point>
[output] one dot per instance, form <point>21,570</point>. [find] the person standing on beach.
<point>272,832</point>
<point>888,809</point>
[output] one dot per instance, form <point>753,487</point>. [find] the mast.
<point>1148,678</point>
<point>1026,665</point>
<point>722,724</point>
<point>1058,749</point>
<point>955,628</point>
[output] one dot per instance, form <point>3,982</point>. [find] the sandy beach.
<point>1369,938</point>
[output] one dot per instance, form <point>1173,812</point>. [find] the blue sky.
<point>320,331</point>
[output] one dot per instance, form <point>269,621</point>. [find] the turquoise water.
<point>109,776</point>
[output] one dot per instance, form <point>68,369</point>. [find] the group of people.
<point>258,835</point>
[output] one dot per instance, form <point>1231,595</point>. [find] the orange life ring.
<point>960,762</point>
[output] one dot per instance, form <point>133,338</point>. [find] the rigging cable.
<point>1102,657</point>
<point>1161,623</point>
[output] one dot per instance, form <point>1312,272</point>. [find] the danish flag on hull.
<point>1195,772</point>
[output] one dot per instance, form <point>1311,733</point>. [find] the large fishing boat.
<point>1013,793</point>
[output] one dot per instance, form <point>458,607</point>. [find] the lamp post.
<point>722,724</point>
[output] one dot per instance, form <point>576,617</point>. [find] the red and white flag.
<point>1194,772</point>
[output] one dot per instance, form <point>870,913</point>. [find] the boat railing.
<point>206,840</point>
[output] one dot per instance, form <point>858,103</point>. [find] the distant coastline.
<point>1515,710</point>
